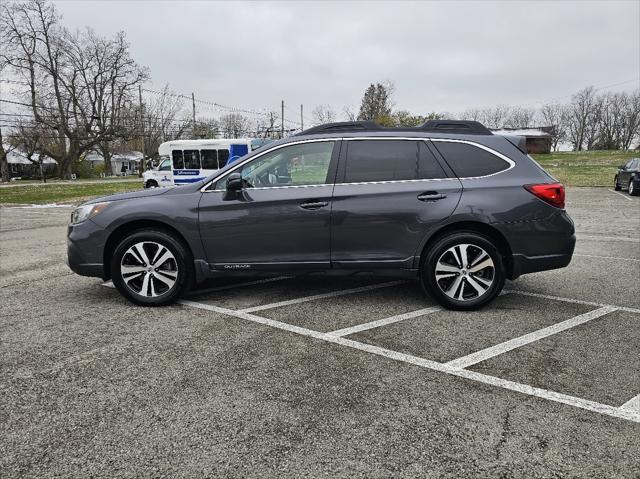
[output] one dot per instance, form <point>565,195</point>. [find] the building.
<point>539,139</point>
<point>130,160</point>
<point>21,167</point>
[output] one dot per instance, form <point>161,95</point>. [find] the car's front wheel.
<point>633,189</point>
<point>616,185</point>
<point>151,184</point>
<point>463,271</point>
<point>151,268</point>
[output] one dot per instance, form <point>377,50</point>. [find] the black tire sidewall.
<point>427,270</point>
<point>183,261</point>
<point>634,187</point>
<point>616,185</point>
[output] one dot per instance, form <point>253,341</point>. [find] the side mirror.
<point>234,182</point>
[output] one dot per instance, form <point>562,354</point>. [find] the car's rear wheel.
<point>151,268</point>
<point>633,190</point>
<point>616,185</point>
<point>463,271</point>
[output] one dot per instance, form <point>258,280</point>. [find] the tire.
<point>456,287</point>
<point>616,185</point>
<point>156,276</point>
<point>633,189</point>
<point>151,184</point>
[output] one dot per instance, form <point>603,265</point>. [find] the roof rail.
<point>442,126</point>
<point>456,126</point>
<point>341,126</point>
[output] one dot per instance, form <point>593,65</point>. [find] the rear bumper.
<point>531,264</point>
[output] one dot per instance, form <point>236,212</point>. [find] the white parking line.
<point>621,413</point>
<point>332,294</point>
<point>608,238</point>
<point>607,257</point>
<point>382,322</point>
<point>632,405</point>
<point>571,300</point>
<point>484,354</point>
<point>621,194</point>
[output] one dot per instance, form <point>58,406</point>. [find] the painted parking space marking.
<point>484,354</point>
<point>621,194</point>
<point>618,412</point>
<point>572,300</point>
<point>607,257</point>
<point>632,405</point>
<point>383,322</point>
<point>332,294</point>
<point>589,237</point>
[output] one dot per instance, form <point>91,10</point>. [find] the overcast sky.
<point>442,56</point>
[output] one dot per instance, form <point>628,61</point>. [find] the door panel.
<point>281,218</point>
<point>266,225</point>
<point>387,221</point>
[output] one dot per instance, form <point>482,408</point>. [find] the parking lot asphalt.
<point>321,376</point>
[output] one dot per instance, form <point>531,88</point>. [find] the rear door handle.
<point>314,205</point>
<point>431,196</point>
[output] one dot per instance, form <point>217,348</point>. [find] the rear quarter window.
<point>468,160</point>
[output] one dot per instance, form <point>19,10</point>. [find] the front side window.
<point>390,160</point>
<point>468,161</point>
<point>295,165</point>
<point>165,165</point>
<point>191,159</point>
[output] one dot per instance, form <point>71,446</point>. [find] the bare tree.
<point>631,119</point>
<point>206,128</point>
<point>521,117</point>
<point>234,125</point>
<point>495,117</point>
<point>580,114</point>
<point>31,139</point>
<point>323,114</point>
<point>348,113</point>
<point>78,83</point>
<point>555,116</point>
<point>473,114</point>
<point>162,122</point>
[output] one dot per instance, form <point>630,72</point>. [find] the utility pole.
<point>301,118</point>
<point>193,103</point>
<point>143,163</point>
<point>282,122</point>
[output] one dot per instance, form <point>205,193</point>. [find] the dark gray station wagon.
<point>447,203</point>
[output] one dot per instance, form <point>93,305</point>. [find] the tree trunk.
<point>4,166</point>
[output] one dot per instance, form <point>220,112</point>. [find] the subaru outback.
<point>448,203</point>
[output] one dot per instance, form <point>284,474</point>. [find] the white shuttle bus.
<point>189,161</point>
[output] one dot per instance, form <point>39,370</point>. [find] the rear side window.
<point>468,160</point>
<point>223,157</point>
<point>389,160</point>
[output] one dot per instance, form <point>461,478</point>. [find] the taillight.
<point>552,193</point>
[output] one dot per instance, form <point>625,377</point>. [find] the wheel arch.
<point>123,230</point>
<point>476,227</point>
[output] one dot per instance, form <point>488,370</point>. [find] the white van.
<point>189,161</point>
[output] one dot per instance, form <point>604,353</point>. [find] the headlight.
<point>84,212</point>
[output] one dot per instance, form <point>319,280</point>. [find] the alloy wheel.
<point>149,269</point>
<point>465,272</point>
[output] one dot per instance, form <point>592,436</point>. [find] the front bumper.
<point>85,246</point>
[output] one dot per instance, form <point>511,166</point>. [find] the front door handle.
<point>431,196</point>
<point>314,205</point>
